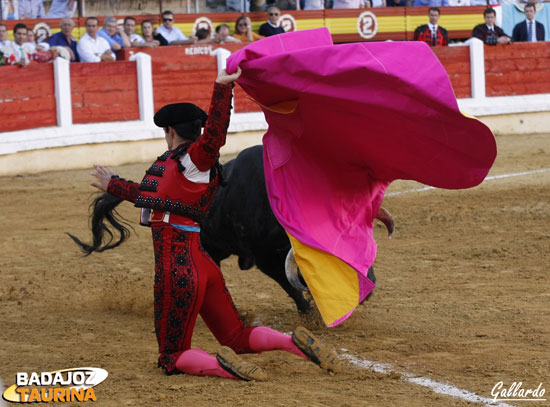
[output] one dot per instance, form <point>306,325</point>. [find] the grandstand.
<point>59,105</point>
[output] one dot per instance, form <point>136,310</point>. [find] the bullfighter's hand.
<point>103,175</point>
<point>225,78</point>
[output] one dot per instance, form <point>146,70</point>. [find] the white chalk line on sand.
<point>435,386</point>
<point>491,178</point>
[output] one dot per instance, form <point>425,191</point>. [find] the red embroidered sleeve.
<point>204,152</point>
<point>127,190</point>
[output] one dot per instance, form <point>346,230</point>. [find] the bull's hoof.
<point>234,364</point>
<point>318,352</point>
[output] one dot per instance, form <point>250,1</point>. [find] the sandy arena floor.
<point>463,298</point>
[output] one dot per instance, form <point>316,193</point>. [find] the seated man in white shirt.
<point>172,34</point>
<point>92,47</point>
<point>17,52</point>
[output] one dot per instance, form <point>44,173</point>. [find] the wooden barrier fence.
<point>104,92</point>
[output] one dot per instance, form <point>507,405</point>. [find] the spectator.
<point>461,3</point>
<point>62,9</point>
<point>32,45</point>
<point>431,3</point>
<point>529,30</point>
<point>31,9</point>
<point>135,39</point>
<point>243,30</point>
<point>290,4</point>
<point>222,35</point>
<point>242,6</point>
<point>203,35</point>
<point>397,3</point>
<point>271,27</point>
<point>4,42</point>
<point>17,52</point>
<point>65,39</point>
<point>171,34</point>
<point>92,47</point>
<point>313,4</point>
<point>115,35</point>
<point>431,33</point>
<point>147,31</point>
<point>9,10</point>
<point>490,33</point>
<point>484,2</point>
<point>350,4</point>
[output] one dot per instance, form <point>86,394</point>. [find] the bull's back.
<point>240,220</point>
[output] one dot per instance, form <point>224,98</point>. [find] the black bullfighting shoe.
<point>317,351</point>
<point>234,364</point>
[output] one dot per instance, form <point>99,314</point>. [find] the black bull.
<point>240,222</point>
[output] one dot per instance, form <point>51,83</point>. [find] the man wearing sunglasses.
<point>171,34</point>
<point>272,26</point>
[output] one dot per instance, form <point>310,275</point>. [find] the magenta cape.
<point>345,121</point>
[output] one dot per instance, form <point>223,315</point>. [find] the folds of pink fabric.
<point>366,114</point>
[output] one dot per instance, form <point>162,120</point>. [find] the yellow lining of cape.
<point>332,282</point>
<point>286,107</point>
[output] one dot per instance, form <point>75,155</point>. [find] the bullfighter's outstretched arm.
<point>205,151</point>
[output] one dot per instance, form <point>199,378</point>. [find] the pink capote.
<point>365,114</point>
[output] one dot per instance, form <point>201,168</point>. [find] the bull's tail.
<point>109,229</point>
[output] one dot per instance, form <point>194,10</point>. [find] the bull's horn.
<point>385,217</point>
<point>293,272</point>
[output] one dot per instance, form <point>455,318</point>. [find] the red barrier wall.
<point>27,97</point>
<point>186,74</point>
<point>517,69</point>
<point>456,61</point>
<point>178,76</point>
<point>184,80</point>
<point>172,52</point>
<point>104,92</point>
